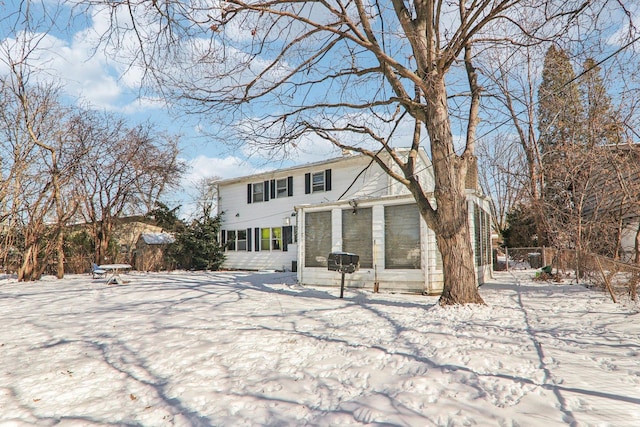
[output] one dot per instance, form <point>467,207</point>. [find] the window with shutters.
<point>241,242</point>
<point>318,182</point>
<point>357,234</point>
<point>402,237</point>
<point>282,188</point>
<point>258,192</point>
<point>231,240</point>
<point>276,239</point>
<point>236,240</point>
<point>265,239</point>
<point>317,238</point>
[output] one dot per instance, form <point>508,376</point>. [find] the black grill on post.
<point>344,262</point>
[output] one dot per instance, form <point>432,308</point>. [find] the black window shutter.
<point>273,188</point>
<point>327,180</point>
<point>249,193</point>
<point>290,186</point>
<point>307,183</point>
<point>257,239</point>
<point>249,239</point>
<point>266,191</point>
<point>286,237</point>
<point>223,237</point>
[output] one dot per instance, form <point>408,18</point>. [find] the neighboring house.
<point>612,199</point>
<point>150,251</point>
<point>127,231</point>
<point>291,219</point>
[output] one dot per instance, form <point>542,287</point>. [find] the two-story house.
<point>291,219</point>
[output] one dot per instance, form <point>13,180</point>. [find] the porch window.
<point>402,237</point>
<point>482,236</point>
<point>357,234</point>
<point>317,238</point>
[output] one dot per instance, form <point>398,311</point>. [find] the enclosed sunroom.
<point>396,249</point>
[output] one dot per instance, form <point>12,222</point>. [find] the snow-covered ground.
<point>234,349</point>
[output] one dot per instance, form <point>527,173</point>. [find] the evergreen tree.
<point>166,218</point>
<point>562,137</point>
<point>560,111</point>
<point>602,124</point>
<point>197,247</point>
<point>521,227</point>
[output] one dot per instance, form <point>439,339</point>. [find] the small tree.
<point>197,247</point>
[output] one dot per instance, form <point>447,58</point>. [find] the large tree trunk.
<point>451,219</point>
<point>28,270</point>
<point>60,254</point>
<point>103,235</point>
<point>457,261</point>
<point>637,246</point>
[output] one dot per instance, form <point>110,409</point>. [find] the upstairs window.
<point>270,189</point>
<point>317,182</point>
<point>258,192</point>
<point>282,188</point>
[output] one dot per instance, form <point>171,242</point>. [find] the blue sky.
<point>67,55</point>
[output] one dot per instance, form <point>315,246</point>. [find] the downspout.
<point>301,248</point>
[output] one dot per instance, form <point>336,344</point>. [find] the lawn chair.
<point>97,272</point>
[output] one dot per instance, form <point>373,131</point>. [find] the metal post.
<point>506,257</point>
<point>342,285</point>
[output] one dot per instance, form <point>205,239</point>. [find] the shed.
<point>150,251</point>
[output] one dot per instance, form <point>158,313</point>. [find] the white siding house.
<point>292,218</point>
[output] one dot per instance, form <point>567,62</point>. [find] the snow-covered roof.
<point>157,238</point>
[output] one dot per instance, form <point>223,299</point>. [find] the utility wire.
<point>506,121</point>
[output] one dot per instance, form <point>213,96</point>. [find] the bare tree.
<point>124,172</point>
<point>503,177</point>
<point>40,162</point>
<point>513,84</point>
<point>353,73</point>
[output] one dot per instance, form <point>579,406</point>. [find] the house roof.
<point>322,163</point>
<point>157,238</point>
<point>616,182</point>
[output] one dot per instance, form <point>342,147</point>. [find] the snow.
<point>157,238</point>
<point>247,349</point>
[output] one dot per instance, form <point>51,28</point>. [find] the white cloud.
<point>202,167</point>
